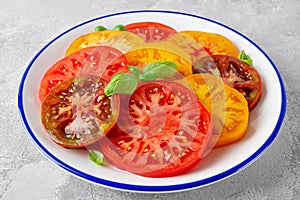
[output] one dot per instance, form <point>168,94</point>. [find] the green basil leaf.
<point>146,77</point>
<point>244,57</point>
<point>120,27</point>
<point>160,69</point>
<point>134,70</point>
<point>100,28</point>
<point>113,81</point>
<point>96,157</point>
<point>121,83</point>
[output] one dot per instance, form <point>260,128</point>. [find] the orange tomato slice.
<point>189,45</point>
<point>228,107</point>
<point>213,43</point>
<point>149,52</point>
<point>90,39</point>
<point>121,40</point>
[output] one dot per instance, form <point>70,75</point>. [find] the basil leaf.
<point>146,77</point>
<point>244,57</point>
<point>160,69</point>
<point>113,81</point>
<point>134,70</point>
<point>122,83</point>
<point>96,157</point>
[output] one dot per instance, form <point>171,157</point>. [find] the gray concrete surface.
<point>26,26</point>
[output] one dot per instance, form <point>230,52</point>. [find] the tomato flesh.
<point>77,113</point>
<point>151,31</point>
<point>234,73</point>
<point>102,61</point>
<point>162,130</point>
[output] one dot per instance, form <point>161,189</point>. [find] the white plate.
<point>264,125</point>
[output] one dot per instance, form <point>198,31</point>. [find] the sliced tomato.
<point>146,53</point>
<point>77,113</point>
<point>151,31</point>
<point>213,43</point>
<point>123,41</point>
<point>189,45</point>
<point>102,61</point>
<point>162,130</point>
<point>90,39</point>
<point>234,73</point>
<point>228,107</point>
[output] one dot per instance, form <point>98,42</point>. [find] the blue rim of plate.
<point>145,188</point>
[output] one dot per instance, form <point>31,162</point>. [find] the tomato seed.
<point>120,142</point>
<point>99,98</point>
<point>146,150</point>
<point>71,89</point>
<point>154,155</point>
<point>167,155</point>
<point>181,132</point>
<point>107,102</point>
<point>129,148</point>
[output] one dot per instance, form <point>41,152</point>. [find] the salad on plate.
<point>147,98</point>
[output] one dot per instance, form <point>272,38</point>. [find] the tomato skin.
<point>99,61</point>
<point>234,73</point>
<point>151,31</point>
<point>116,157</point>
<point>162,130</point>
<point>77,113</point>
<point>228,107</point>
<point>147,24</point>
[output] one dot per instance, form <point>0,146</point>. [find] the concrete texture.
<point>26,26</point>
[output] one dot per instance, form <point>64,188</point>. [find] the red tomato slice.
<point>77,113</point>
<point>99,61</point>
<point>162,130</point>
<point>234,73</point>
<point>151,31</point>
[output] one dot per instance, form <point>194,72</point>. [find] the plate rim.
<point>146,188</point>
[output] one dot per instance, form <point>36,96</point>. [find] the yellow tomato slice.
<point>214,44</point>
<point>146,53</point>
<point>121,40</point>
<point>90,39</point>
<point>228,107</point>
